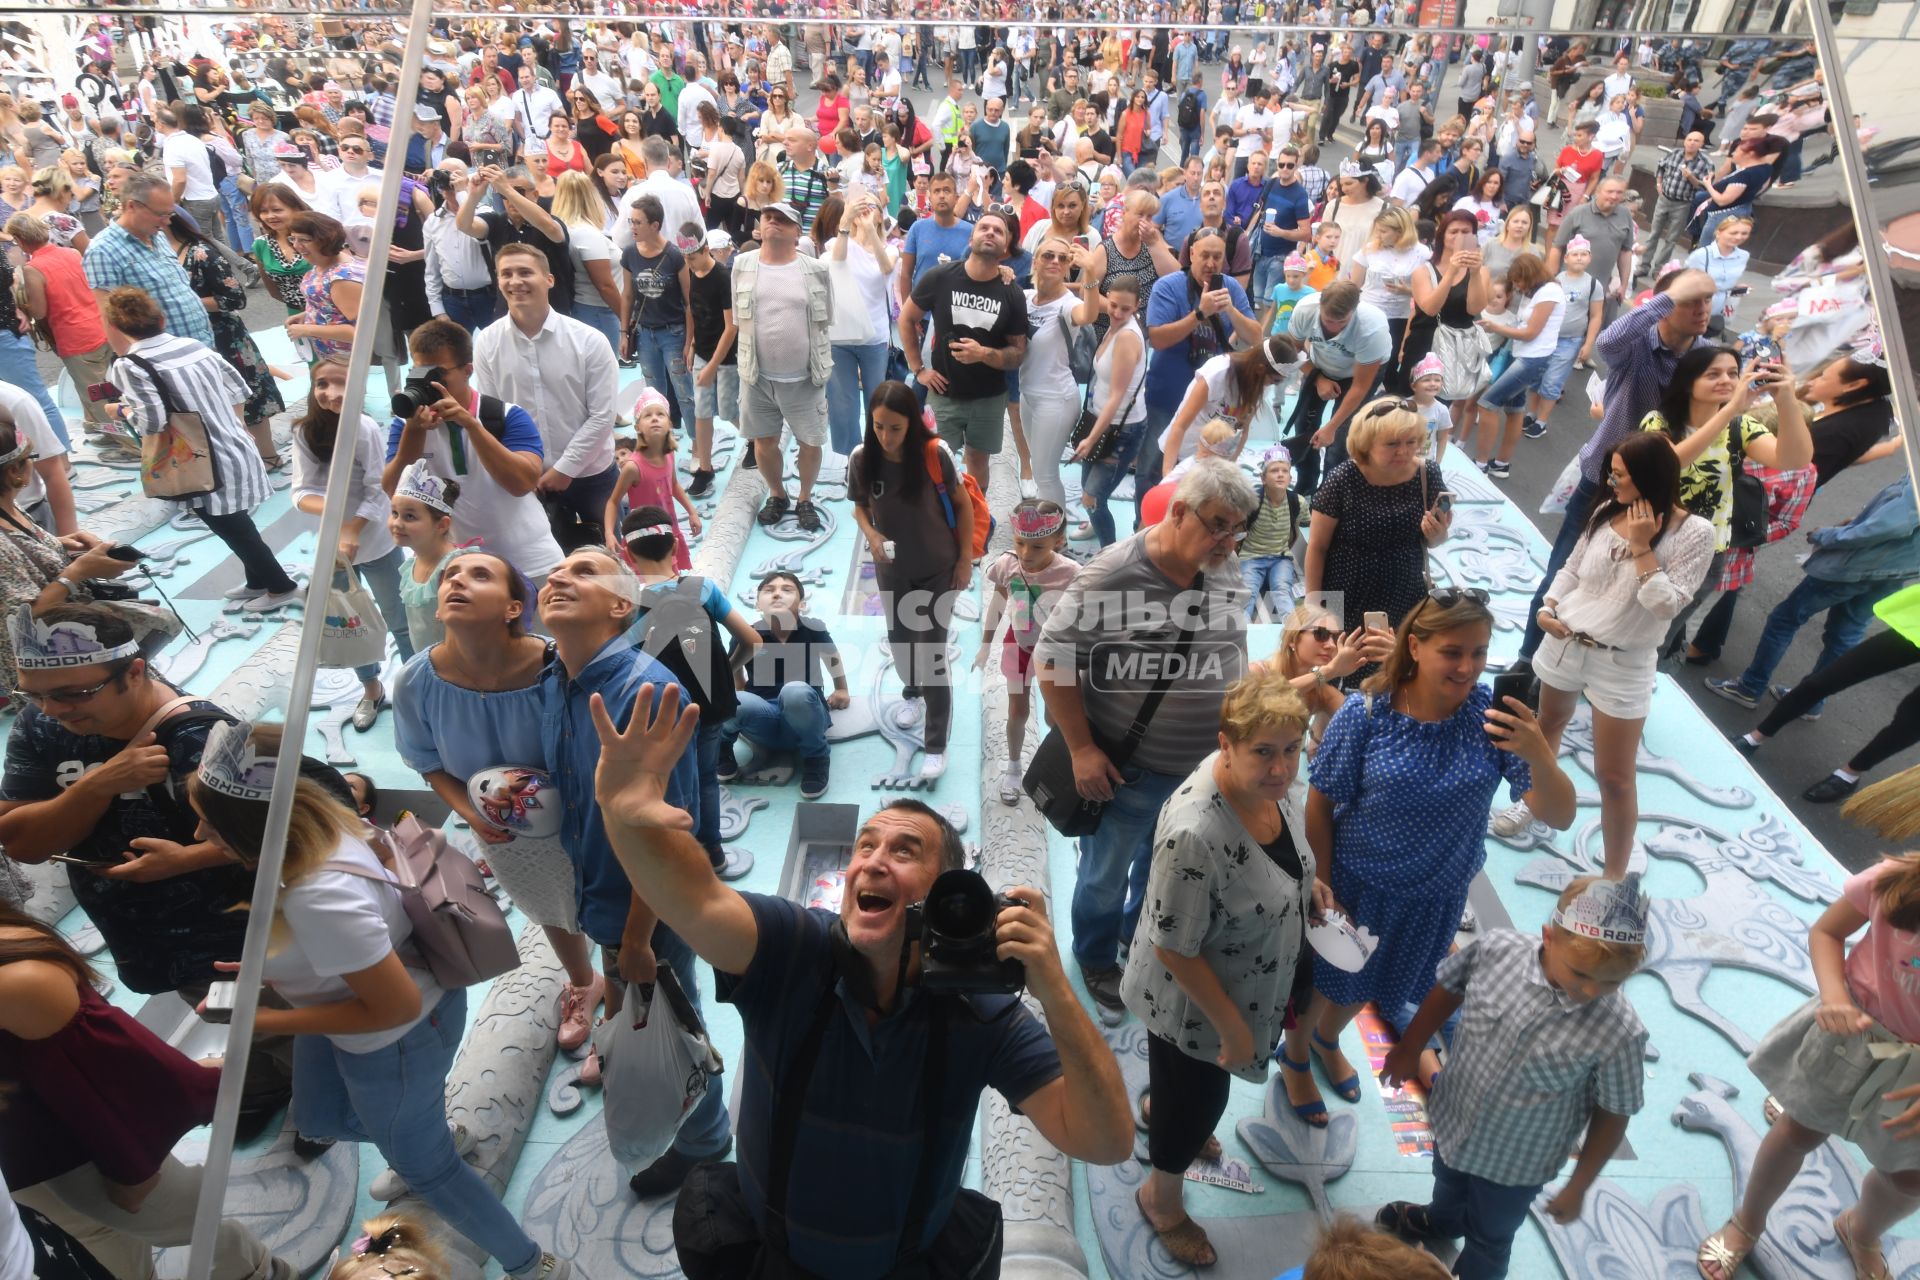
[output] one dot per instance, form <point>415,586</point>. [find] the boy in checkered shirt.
<point>1548,1048</point>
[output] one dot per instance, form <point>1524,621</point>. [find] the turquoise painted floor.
<point>1737,875</point>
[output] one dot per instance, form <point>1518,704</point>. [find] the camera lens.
<point>961,905</point>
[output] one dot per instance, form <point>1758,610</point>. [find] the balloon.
<point>522,801</point>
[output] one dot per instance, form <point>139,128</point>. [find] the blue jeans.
<point>1267,272</point>
<point>1113,867</point>
<point>396,1098</point>
<point>1270,578</point>
<point>601,318</point>
<point>473,311</point>
<point>1189,144</point>
<point>1403,153</point>
<point>1509,391</point>
<point>1849,609</point>
<point>663,359</point>
<point>383,580</point>
<point>17,366</point>
<point>857,370</point>
<point>797,722</point>
<point>1149,466</point>
<point>239,225</point>
<point>707,829</point>
<point>1486,1213</point>
<point>1579,507</point>
<point>1098,480</point>
<point>1559,365</point>
<point>708,1130</point>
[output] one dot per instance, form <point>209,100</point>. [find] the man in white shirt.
<point>535,104</point>
<point>594,79</point>
<point>692,95</point>
<point>1412,180</point>
<point>561,371</point>
<point>459,281</point>
<point>189,172</point>
<point>338,195</point>
<point>1622,78</point>
<point>1250,129</point>
<point>677,200</point>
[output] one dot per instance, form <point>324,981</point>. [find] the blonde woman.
<point>596,286</point>
<point>52,195</point>
<point>85,193</point>
<point>1384,269</point>
<point>1315,654</point>
<point>15,191</point>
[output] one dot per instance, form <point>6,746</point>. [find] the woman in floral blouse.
<point>1216,957</point>
<point>226,301</point>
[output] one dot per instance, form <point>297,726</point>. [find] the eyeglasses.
<point>1222,530</point>
<point>1285,168</point>
<point>1448,597</point>
<point>66,697</point>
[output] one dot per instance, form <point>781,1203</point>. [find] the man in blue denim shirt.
<point>587,605</point>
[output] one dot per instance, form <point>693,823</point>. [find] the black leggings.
<point>1189,1097</point>
<point>919,610</point>
<point>1308,409</point>
<point>1875,656</point>
<point>242,537</point>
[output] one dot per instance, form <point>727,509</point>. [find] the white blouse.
<point>1598,592</point>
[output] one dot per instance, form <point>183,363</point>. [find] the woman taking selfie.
<point>374,1038</point>
<point>1641,558</point>
<point>1449,293</point>
<point>1215,956</point>
<point>1421,750</point>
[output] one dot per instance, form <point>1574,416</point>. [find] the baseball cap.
<point>719,239</point>
<point>781,209</point>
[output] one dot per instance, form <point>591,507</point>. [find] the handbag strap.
<point>166,709</point>
<point>1426,552</point>
<point>167,402</point>
<point>1151,703</point>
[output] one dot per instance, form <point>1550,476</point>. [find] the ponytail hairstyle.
<point>392,1246</point>
<point>1252,371</point>
<point>1426,620</point>
<point>1879,382</point>
<point>320,428</point>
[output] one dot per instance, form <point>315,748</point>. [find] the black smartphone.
<point>219,1003</point>
<point>1214,282</point>
<point>1516,684</point>
<point>92,864</point>
<point>1443,503</point>
<point>121,551</point>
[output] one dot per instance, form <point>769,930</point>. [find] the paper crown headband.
<point>1296,262</point>
<point>230,765</point>
<point>648,396</point>
<point>22,447</point>
<point>1430,366</point>
<point>1352,169</point>
<point>1579,242</point>
<point>1275,453</point>
<point>420,484</point>
<point>1037,522</point>
<point>1868,347</point>
<point>40,645</point>
<point>1607,911</point>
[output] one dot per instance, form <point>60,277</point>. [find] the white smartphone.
<point>1376,620</point>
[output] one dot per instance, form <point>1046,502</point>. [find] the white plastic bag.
<point>656,1064</point>
<point>1555,503</point>
<point>353,634</point>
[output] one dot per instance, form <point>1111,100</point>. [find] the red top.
<point>72,312</point>
<point>1589,164</point>
<point>577,162</point>
<point>103,1090</point>
<point>827,121</point>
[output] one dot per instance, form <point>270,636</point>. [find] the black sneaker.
<point>311,1148</point>
<point>1499,470</point>
<point>1533,428</point>
<point>774,509</point>
<point>702,484</point>
<point>1829,789</point>
<point>728,767</point>
<point>670,1171</point>
<point>1104,986</point>
<point>813,776</point>
<point>807,516</point>
<point>1744,747</point>
<point>748,462</point>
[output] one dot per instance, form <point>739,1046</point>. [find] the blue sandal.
<point>1348,1089</point>
<point>1315,1112</point>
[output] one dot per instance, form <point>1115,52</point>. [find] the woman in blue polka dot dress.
<point>1397,813</point>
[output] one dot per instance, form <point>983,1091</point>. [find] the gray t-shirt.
<point>781,305</point>
<point>1117,624</point>
<point>1610,234</point>
<point>1215,893</point>
<point>1365,339</point>
<point>1580,296</point>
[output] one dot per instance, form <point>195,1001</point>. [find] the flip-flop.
<point>1315,1112</point>
<point>1868,1264</point>
<point>1348,1089</point>
<point>1186,1240</point>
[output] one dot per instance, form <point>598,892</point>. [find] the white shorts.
<point>1617,682</point>
<point>765,405</point>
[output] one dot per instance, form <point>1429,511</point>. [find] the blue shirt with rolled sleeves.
<point>572,750</point>
<point>1172,368</point>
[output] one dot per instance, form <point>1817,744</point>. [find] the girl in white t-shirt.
<point>1540,302</point>
<point>374,1033</point>
<point>1384,271</point>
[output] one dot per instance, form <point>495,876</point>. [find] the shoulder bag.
<point>1749,525</point>
<point>1089,415</point>
<point>1049,780</point>
<point>176,461</point>
<point>458,928</point>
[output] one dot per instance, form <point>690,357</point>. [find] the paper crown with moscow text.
<point>419,483</point>
<point>1607,911</point>
<point>231,766</point>
<point>41,645</point>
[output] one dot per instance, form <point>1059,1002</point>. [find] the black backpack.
<point>1189,116</point>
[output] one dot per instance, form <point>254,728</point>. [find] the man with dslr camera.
<point>860,1085</point>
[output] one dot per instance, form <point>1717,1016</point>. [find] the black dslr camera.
<point>417,392</point>
<point>956,928</point>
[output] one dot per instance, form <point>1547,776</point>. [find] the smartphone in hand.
<point>1376,620</point>
<point>1516,684</point>
<point>220,1001</point>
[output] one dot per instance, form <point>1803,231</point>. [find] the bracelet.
<point>1648,573</point>
<point>73,588</point>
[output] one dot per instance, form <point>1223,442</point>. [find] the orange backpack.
<point>983,521</point>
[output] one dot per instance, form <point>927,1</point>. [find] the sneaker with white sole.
<point>1499,470</point>
<point>241,592</point>
<point>934,767</point>
<point>1732,692</point>
<point>547,1268</point>
<point>268,601</point>
<point>1511,821</point>
<point>1012,790</point>
<point>390,1186</point>
<point>1780,692</point>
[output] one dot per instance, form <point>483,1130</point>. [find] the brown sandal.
<point>1186,1240</point>
<point>1212,1153</point>
<point>1715,1252</point>
<point>1868,1264</point>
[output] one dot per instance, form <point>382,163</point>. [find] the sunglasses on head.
<point>1402,405</point>
<point>1448,597</point>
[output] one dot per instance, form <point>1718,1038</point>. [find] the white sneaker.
<point>241,592</point>
<point>1012,790</point>
<point>390,1186</point>
<point>1512,820</point>
<point>934,766</point>
<point>266,602</point>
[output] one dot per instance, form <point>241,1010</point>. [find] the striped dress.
<point>200,381</point>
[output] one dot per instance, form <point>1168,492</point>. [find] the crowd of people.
<point>1268,281</point>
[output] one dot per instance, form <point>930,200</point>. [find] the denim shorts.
<point>721,397</point>
<point>1559,365</point>
<point>1509,390</point>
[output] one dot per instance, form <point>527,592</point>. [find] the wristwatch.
<point>1550,611</point>
<point>1320,675</point>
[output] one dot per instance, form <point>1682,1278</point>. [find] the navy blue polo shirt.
<point>858,1152</point>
